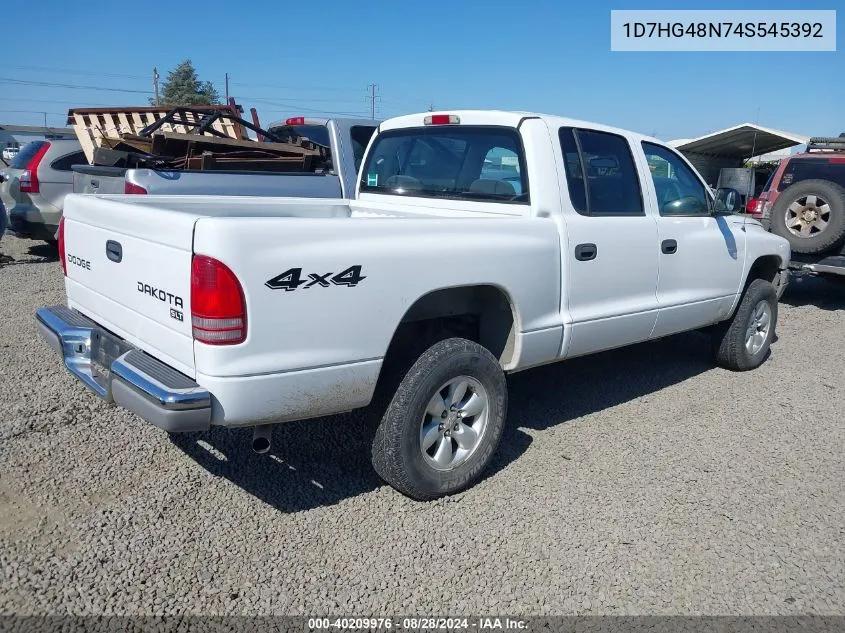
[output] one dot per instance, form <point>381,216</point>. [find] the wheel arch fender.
<point>483,312</point>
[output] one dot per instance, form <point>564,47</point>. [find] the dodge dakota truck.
<point>477,243</point>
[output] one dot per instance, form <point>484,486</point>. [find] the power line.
<point>35,112</point>
<point>53,101</point>
<point>292,100</point>
<point>47,84</point>
<point>319,88</point>
<point>293,106</point>
<point>70,71</point>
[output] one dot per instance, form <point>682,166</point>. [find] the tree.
<point>183,88</point>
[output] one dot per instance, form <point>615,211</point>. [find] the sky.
<point>286,59</point>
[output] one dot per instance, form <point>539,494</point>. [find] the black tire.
<point>729,338</point>
<point>397,453</point>
<point>833,234</point>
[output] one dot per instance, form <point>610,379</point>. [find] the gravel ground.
<point>641,481</point>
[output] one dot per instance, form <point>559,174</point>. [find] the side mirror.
<point>728,201</point>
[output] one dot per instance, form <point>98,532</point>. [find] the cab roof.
<point>505,118</point>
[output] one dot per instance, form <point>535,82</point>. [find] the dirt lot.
<point>638,481</point>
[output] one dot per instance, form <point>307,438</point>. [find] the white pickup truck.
<point>478,243</point>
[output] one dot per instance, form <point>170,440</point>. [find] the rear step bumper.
<point>832,265</point>
<point>136,381</point>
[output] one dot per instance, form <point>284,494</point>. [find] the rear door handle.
<point>669,247</point>
<point>586,252</point>
<point>114,251</point>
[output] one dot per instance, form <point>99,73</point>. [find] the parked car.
<point>9,153</point>
<point>804,201</point>
<point>346,139</point>
<point>38,179</point>
<point>416,296</point>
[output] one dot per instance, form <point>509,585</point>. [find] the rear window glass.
<point>25,155</point>
<point>318,134</point>
<point>65,163</point>
<point>455,162</point>
<point>805,169</point>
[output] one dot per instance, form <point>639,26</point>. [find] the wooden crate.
<point>92,125</point>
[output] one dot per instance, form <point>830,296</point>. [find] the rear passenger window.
<point>600,172</point>
<point>65,163</point>
<point>574,171</point>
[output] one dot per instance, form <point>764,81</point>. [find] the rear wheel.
<point>811,216</point>
<point>444,422</point>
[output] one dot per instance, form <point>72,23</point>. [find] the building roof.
<point>741,141</point>
<point>38,129</point>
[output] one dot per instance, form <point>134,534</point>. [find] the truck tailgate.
<point>97,179</point>
<point>129,269</point>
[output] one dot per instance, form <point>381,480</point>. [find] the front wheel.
<point>742,342</point>
<point>444,422</point>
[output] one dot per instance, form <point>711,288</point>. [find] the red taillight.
<point>751,205</point>
<point>29,178</point>
<point>62,246</point>
<point>130,187</point>
<point>218,308</point>
<point>836,159</point>
<point>295,120</point>
<point>441,119</point>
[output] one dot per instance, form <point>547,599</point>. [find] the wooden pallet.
<point>93,125</point>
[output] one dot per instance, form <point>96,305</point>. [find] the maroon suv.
<point>804,199</point>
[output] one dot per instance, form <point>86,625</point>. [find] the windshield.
<point>470,163</point>
<point>25,155</point>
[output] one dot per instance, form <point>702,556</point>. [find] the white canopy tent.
<point>733,146</point>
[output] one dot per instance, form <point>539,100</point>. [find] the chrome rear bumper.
<point>120,373</point>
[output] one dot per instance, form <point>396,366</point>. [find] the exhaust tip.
<point>261,438</point>
<point>261,444</point>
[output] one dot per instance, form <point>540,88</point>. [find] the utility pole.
<point>227,87</point>
<point>372,88</point>
<point>45,118</point>
<point>155,82</point>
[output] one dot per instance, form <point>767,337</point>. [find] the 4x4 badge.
<point>292,279</point>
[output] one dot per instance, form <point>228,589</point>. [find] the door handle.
<point>669,247</point>
<point>586,252</point>
<point>114,251</point>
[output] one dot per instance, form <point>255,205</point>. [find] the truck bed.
<point>95,179</point>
